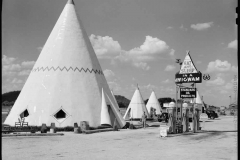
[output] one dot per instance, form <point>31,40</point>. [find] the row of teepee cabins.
<point>137,106</point>
<point>67,84</point>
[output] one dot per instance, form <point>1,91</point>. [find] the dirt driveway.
<point>139,144</point>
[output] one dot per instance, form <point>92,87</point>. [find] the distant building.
<point>223,108</point>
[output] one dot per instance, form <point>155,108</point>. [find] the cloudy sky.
<point>136,42</point>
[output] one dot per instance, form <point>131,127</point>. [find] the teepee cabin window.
<point>25,113</point>
<point>60,114</point>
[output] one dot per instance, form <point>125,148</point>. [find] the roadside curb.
<point>191,133</point>
<point>33,134</point>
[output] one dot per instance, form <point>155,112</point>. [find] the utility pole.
<point>193,114</point>
<point>180,64</point>
<point>176,110</point>
<point>230,99</point>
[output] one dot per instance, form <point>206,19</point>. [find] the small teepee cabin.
<point>66,84</point>
<point>136,107</point>
<point>153,103</point>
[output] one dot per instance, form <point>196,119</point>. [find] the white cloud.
<point>17,81</point>
<point>223,92</point>
<point>150,47</point>
<point>39,49</point>
<point>233,44</point>
<point>170,27</point>
<point>28,64</point>
<point>168,90</point>
<point>114,86</point>
<point>7,60</point>
<point>148,51</point>
<point>104,46</point>
<point>24,72</point>
<point>169,68</point>
<point>234,69</point>
<point>141,65</point>
<point>172,52</point>
<point>220,66</point>
<point>108,74</point>
<point>183,28</point>
<point>218,81</point>
<point>149,87</point>
<point>10,72</point>
<point>111,80</point>
<point>12,67</point>
<point>202,26</point>
<point>166,81</point>
<point>229,86</point>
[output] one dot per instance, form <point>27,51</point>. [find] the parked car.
<point>222,112</point>
<point>212,114</point>
<point>163,117</point>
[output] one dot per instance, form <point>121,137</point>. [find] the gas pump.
<point>172,117</point>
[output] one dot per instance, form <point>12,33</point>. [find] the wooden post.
<point>197,117</point>
<point>115,127</point>
<point>76,128</point>
<point>187,120</point>
<point>44,128</point>
<point>52,128</point>
<point>84,125</point>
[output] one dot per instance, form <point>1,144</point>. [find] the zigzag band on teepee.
<point>70,68</point>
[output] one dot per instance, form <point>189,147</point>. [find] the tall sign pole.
<point>194,116</point>
<point>181,105</point>
<point>176,106</point>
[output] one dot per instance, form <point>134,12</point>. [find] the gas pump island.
<point>188,74</point>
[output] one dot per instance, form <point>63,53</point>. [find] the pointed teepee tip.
<point>137,87</point>
<point>70,2</point>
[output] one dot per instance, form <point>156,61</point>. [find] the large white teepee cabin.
<point>66,82</point>
<point>153,103</point>
<point>136,107</point>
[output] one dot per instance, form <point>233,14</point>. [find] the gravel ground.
<point>219,141</point>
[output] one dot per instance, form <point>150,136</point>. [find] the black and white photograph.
<point>120,79</point>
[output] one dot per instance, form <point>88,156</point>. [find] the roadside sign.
<point>188,92</point>
<point>203,118</point>
<point>188,78</point>
<point>188,66</point>
<point>163,131</point>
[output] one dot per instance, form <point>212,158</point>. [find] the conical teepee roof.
<point>197,99</point>
<point>153,102</point>
<point>65,84</point>
<point>136,106</point>
<point>105,118</point>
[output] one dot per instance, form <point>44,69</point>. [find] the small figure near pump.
<point>144,118</point>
